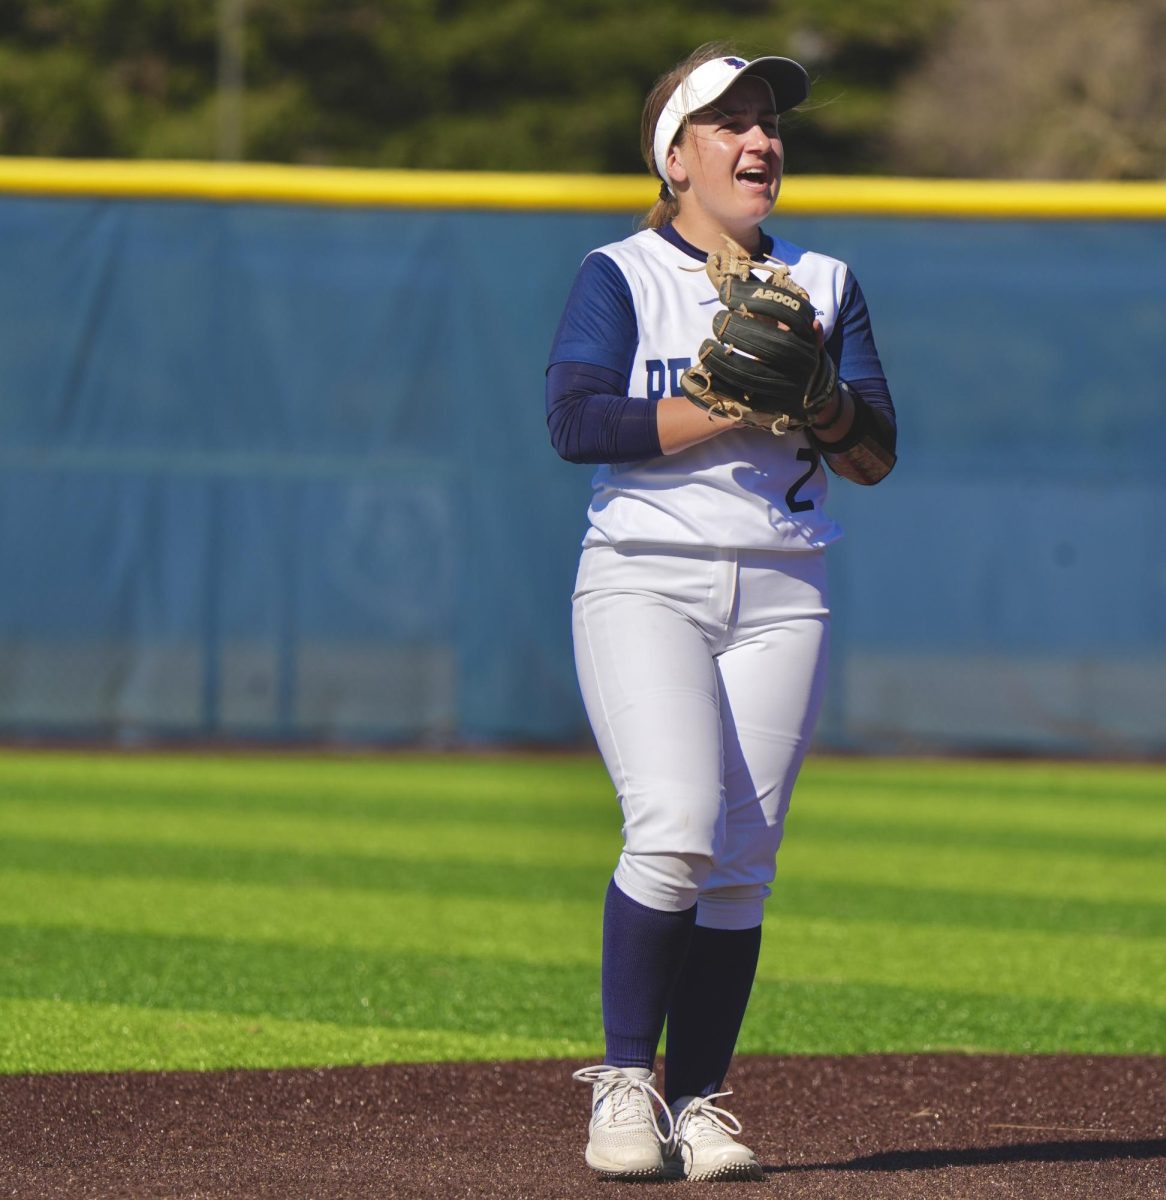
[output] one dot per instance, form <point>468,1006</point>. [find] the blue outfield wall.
<point>282,471</point>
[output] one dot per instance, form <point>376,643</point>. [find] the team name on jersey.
<point>664,376</point>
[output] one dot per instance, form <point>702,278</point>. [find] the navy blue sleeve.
<point>598,325</point>
<point>590,415</point>
<point>592,419</point>
<point>851,343</point>
<point>875,397</point>
<point>868,452</point>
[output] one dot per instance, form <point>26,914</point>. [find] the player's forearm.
<point>857,437</point>
<point>591,422</point>
<point>680,424</point>
<point>591,419</point>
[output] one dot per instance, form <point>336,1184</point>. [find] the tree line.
<point>1023,88</point>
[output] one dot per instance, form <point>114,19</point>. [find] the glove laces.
<point>621,1092</point>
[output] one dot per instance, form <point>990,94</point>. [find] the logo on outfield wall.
<point>394,555</point>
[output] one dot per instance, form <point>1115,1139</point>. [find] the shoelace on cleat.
<point>618,1090</point>
<point>700,1109</point>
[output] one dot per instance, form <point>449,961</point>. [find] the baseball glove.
<point>765,364</point>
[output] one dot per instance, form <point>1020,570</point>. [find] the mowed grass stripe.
<point>556,931</point>
<point>395,990</point>
<point>501,788</point>
<point>1086,799</point>
<point>297,867</point>
<point>566,810</point>
<point>552,930</point>
<point>436,838</point>
<point>816,1018</point>
<point>598,834</point>
<point>1136,832</point>
<point>890,928</point>
<point>546,1008</point>
<point>974,961</point>
<point>434,989</point>
<point>878,803</point>
<point>1069,781</point>
<point>597,840</point>
<point>1003,872</point>
<point>797,893</point>
<point>809,853</point>
<point>303,773</point>
<point>982,804</point>
<point>57,1035</point>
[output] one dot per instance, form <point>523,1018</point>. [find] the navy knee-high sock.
<point>643,952</point>
<point>707,1009</point>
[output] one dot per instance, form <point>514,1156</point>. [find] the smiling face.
<point>726,166</point>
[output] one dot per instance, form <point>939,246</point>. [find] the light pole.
<point>230,80</point>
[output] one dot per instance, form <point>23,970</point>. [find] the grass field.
<point>202,912</point>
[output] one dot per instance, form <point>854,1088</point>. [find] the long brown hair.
<point>667,206</point>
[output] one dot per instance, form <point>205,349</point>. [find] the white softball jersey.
<point>644,309</point>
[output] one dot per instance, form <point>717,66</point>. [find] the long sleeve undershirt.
<point>592,419</point>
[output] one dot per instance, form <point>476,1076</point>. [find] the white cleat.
<point>704,1145</point>
<point>625,1140</point>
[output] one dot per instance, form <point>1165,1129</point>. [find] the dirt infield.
<point>895,1126</point>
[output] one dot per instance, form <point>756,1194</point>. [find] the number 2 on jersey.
<point>807,454</point>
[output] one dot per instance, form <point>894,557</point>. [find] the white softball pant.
<point>702,672</point>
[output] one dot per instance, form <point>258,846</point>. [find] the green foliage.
<point>1044,88</point>
<point>198,912</point>
<point>51,103</point>
<point>449,84</point>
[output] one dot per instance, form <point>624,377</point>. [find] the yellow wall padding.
<point>807,195</point>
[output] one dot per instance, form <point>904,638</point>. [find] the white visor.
<point>786,79</point>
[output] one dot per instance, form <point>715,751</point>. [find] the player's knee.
<point>740,906</point>
<point>671,882</point>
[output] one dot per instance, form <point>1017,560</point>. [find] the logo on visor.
<point>736,62</point>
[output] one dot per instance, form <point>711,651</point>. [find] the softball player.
<point>700,610</point>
